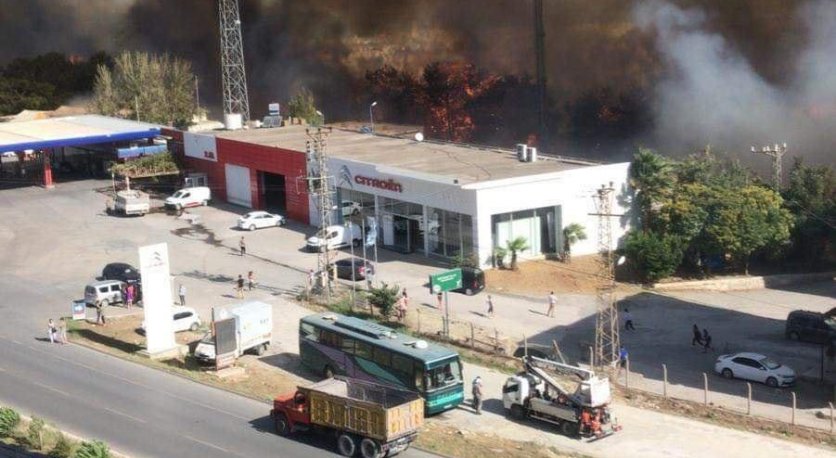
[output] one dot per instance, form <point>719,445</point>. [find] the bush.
<point>9,419</point>
<point>384,298</point>
<point>94,449</point>
<point>654,256</point>
<point>63,447</point>
<point>35,433</point>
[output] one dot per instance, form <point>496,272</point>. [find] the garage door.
<point>238,185</point>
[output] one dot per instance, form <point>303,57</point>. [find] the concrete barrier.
<point>744,283</point>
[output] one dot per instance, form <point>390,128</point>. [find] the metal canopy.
<point>71,131</point>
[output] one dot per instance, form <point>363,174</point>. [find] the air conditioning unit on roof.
<point>522,152</point>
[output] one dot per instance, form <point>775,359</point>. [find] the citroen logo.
<point>345,176</point>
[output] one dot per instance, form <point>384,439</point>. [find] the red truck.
<point>375,420</point>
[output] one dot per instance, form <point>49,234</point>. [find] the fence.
<point>462,332</point>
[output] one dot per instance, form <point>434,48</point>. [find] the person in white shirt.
<point>628,320</point>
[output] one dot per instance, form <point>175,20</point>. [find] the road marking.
<point>124,415</point>
<point>15,341</point>
<point>207,444</point>
<point>52,389</point>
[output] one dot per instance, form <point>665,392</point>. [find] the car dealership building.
<point>439,199</point>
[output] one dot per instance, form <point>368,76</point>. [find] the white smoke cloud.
<point>712,95</point>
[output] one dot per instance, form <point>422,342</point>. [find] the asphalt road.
<point>48,247</point>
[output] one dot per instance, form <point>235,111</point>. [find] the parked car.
<point>124,272</point>
<point>811,326</point>
<point>754,367</point>
<point>473,281</point>
<point>185,319</point>
<point>361,269</point>
<point>260,219</point>
<point>104,293</point>
<point>351,208</point>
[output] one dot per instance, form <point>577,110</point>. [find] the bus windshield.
<point>444,375</point>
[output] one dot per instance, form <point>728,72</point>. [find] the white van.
<point>189,197</point>
<point>334,237</point>
<point>104,293</point>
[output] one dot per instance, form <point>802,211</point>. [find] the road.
<point>138,411</point>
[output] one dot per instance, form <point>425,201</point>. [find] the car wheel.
<point>252,227</point>
<point>355,212</point>
<point>104,303</point>
<point>468,292</point>
<point>727,373</point>
<point>369,448</point>
<point>206,202</point>
<point>279,223</point>
<point>194,327</point>
<point>346,445</point>
<point>328,372</point>
<point>355,242</point>
<point>794,336</point>
<point>772,382</point>
<point>282,425</point>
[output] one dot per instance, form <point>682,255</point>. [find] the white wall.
<point>571,189</point>
<point>200,146</point>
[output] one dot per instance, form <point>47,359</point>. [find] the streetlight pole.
<point>371,114</point>
<point>321,117</point>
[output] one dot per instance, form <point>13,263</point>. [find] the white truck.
<point>584,412</point>
<point>189,197</point>
<point>132,202</point>
<point>253,330</point>
<point>334,237</point>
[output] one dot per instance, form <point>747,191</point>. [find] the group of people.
<point>239,284</point>
<point>703,338</point>
<point>57,332</point>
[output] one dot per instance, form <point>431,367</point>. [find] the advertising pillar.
<point>156,298</point>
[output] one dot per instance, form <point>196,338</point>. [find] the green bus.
<point>330,344</point>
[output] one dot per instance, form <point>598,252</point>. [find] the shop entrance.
<point>407,234</point>
<point>273,193</point>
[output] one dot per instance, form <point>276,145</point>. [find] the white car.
<point>351,208</point>
<point>185,319</point>
<point>259,219</point>
<point>755,367</point>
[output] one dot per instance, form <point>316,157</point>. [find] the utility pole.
<point>607,340</point>
<point>777,153</point>
<point>539,51</point>
<point>233,74</point>
<point>318,184</point>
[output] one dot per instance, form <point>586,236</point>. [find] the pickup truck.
<point>376,420</point>
<point>132,202</point>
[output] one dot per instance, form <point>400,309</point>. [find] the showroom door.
<point>238,185</point>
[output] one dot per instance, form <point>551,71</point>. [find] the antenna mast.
<point>607,340</point>
<point>234,76</point>
<point>319,185</point>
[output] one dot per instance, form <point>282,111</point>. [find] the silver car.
<point>754,367</point>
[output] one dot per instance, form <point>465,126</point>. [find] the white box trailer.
<point>253,330</point>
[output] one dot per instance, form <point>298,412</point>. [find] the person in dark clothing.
<point>706,339</point>
<point>697,336</point>
<point>242,246</point>
<point>239,287</point>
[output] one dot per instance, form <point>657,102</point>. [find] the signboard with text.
<point>446,281</point>
<point>156,297</point>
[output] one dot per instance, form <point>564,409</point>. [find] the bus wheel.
<point>346,445</point>
<point>328,372</point>
<point>369,448</point>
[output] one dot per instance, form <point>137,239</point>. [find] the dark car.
<point>811,326</point>
<point>361,269</point>
<point>123,272</point>
<point>473,281</point>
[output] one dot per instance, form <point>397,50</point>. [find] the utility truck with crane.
<point>582,412</point>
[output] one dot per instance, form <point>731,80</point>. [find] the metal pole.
<point>525,345</point>
<point>591,358</point>
<point>705,388</point>
<point>419,321</point>
<point>664,381</point>
<point>472,336</point>
<point>353,268</point>
<point>447,314</point>
<point>830,404</point>
<point>749,398</point>
<point>627,374</point>
<point>793,408</point>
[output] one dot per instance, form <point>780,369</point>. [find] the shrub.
<point>655,256</point>
<point>9,419</point>
<point>63,447</point>
<point>35,433</point>
<point>93,449</point>
<point>384,298</point>
<point>499,254</point>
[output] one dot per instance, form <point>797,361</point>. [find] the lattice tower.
<point>234,76</point>
<point>606,322</point>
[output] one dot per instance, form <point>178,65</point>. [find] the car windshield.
<point>178,194</point>
<point>444,375</point>
<point>769,364</point>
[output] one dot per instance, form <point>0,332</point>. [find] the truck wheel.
<point>282,426</point>
<point>370,448</point>
<point>517,412</point>
<point>569,429</point>
<point>328,372</point>
<point>194,327</point>
<point>346,445</point>
<point>259,350</point>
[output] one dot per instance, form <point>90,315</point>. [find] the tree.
<point>572,234</point>
<point>384,298</point>
<point>302,105</point>
<point>811,198</point>
<point>747,219</point>
<point>652,177</point>
<point>515,246</point>
<point>655,256</point>
<point>17,95</point>
<point>149,87</point>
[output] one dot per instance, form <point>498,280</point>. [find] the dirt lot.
<point>538,277</point>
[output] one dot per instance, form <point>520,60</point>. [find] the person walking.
<point>623,357</point>
<point>311,278</point>
<point>100,316</point>
<point>439,300</point>
<point>239,286</point>
<point>250,280</point>
<point>62,331</point>
<point>52,330</point>
<point>628,321</point>
<point>706,341</point>
<point>181,291</point>
<point>552,303</point>
<point>401,308</point>
<point>697,336</point>
<point>477,394</point>
<point>489,302</point>
<point>129,296</point>
<point>242,246</point>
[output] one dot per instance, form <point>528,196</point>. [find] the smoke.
<point>711,93</point>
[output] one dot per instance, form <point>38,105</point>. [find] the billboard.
<point>200,146</point>
<point>156,297</point>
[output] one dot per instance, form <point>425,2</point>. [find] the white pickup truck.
<point>132,202</point>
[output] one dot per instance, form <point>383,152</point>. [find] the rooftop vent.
<point>522,152</point>
<point>419,344</point>
<point>369,330</point>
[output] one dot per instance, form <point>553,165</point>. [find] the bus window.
<point>444,375</point>
<point>309,332</point>
<point>330,338</point>
<point>382,357</point>
<point>419,378</point>
<point>402,364</point>
<point>348,345</point>
<point>363,350</point>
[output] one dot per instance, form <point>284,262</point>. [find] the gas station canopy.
<point>71,131</point>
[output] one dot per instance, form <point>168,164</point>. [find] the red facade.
<point>257,158</point>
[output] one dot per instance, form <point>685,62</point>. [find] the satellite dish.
<point>419,137</point>
<point>421,344</point>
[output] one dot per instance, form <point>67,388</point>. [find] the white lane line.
<point>208,444</point>
<point>52,389</point>
<point>124,415</point>
<point>15,341</point>
<point>2,370</point>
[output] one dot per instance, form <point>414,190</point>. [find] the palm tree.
<point>571,235</point>
<point>518,244</point>
<point>652,176</point>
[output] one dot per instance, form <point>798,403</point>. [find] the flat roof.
<point>468,164</point>
<point>71,131</point>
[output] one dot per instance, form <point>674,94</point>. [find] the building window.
<point>539,226</point>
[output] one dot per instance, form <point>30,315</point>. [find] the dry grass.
<point>538,277</point>
<point>450,441</point>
